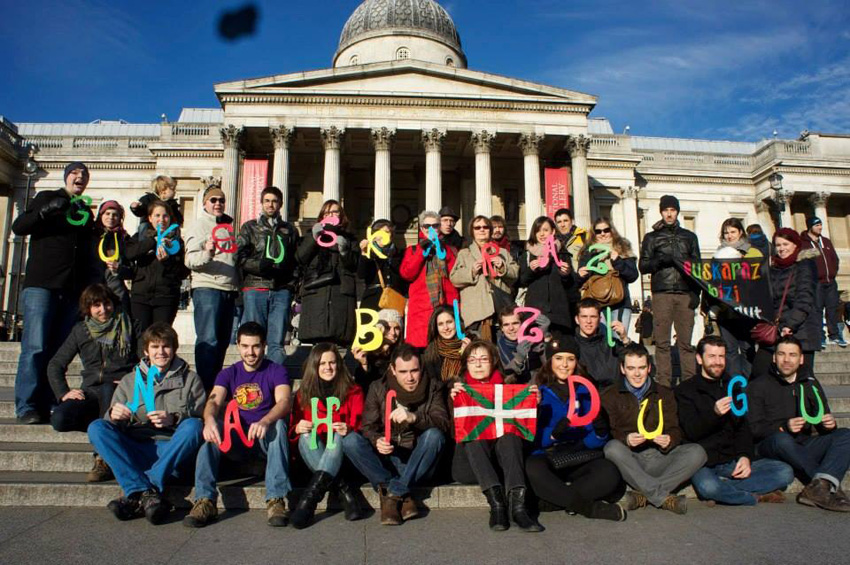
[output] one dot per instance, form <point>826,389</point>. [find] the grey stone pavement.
<point>787,533</point>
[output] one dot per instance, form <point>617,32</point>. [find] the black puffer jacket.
<point>155,281</point>
<point>660,247</point>
<point>549,289</point>
<point>252,241</point>
<point>602,362</point>
<point>800,312</point>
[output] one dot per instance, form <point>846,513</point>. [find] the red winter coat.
<point>350,412</point>
<point>419,307</point>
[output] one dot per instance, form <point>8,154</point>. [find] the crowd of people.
<point>452,316</point>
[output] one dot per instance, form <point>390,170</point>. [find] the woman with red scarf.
<point>473,461</point>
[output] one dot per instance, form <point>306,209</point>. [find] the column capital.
<point>482,141</point>
<point>332,137</point>
<point>282,136</point>
<point>231,136</point>
<point>578,145</point>
<point>630,192</point>
<point>783,196</point>
<point>382,138</point>
<point>210,182</point>
<point>819,199</point>
<point>530,143</point>
<point>432,139</point>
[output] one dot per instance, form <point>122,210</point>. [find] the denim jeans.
<point>213,321</point>
<point>322,458</point>
<point>274,448</point>
<point>139,465</point>
<point>49,316</point>
<point>766,475</point>
<point>411,466</point>
<point>818,457</point>
<point>270,309</point>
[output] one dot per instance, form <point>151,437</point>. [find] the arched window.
<point>355,60</point>
<point>402,53</point>
<point>450,62</point>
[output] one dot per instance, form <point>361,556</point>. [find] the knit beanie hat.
<point>789,235</point>
<point>813,221</point>
<point>73,166</point>
<point>669,201</point>
<point>562,344</point>
<point>389,315</point>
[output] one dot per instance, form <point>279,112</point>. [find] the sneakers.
<point>276,512</point>
<point>818,493</point>
<point>203,512</point>
<point>775,497</point>
<point>127,507</point>
<point>840,341</point>
<point>99,472</point>
<point>633,500</point>
<point>154,507</point>
<point>601,510</point>
<point>409,509</point>
<point>675,504</point>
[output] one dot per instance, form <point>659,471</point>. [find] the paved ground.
<point>787,533</point>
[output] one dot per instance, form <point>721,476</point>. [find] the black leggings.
<point>76,415</point>
<point>473,462</point>
<point>597,480</point>
<point>146,314</point>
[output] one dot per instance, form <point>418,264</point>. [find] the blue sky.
<point>680,68</point>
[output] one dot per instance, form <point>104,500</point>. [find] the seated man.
<point>144,448</point>
<point>599,359</point>
<point>262,393</point>
<point>420,422</point>
<point>782,432</point>
<point>519,359</point>
<point>730,476</point>
<point>655,467</point>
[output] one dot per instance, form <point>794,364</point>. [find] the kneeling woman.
<point>593,480</point>
<point>325,376</point>
<point>473,460</point>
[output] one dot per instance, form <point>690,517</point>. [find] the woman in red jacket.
<point>428,276</point>
<point>324,377</point>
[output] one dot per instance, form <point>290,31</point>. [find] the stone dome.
<point>414,19</point>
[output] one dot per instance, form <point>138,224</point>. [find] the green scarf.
<point>112,334</point>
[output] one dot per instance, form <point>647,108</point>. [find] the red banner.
<point>254,176</point>
<point>557,190</point>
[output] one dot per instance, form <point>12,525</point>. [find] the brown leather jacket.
<point>622,409</point>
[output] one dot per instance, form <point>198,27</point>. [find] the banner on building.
<point>254,176</point>
<point>739,284</point>
<point>557,190</point>
<point>491,411</point>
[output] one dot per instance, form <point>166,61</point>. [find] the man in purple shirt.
<point>260,391</point>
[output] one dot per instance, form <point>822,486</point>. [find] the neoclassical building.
<point>399,123</point>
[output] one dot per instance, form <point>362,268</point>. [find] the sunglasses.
<point>601,231</point>
<point>216,200</point>
<point>426,226</point>
<point>480,228</point>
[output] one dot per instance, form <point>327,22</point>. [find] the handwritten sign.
<point>460,334</point>
<point>550,251</point>
<point>435,239</point>
<point>658,430</point>
<point>332,403</point>
<point>327,238</point>
<point>278,259</point>
<point>602,251</point>
<point>578,421</point>
<point>741,285</point>
<point>143,389</point>
<point>817,418</point>
<point>730,391</point>
<point>391,394</point>
<point>367,328</point>
<point>229,241</point>
<point>171,247</point>
<point>103,256</point>
<point>488,253</point>
<point>535,334</point>
<point>233,422</point>
<point>382,236</point>
<point>84,213</point>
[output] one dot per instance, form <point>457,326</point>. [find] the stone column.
<point>433,141</point>
<point>382,138</point>
<point>483,141</point>
<point>784,196</point>
<point>628,202</point>
<point>818,200</point>
<point>578,146</point>
<point>282,137</point>
<point>230,137</point>
<point>332,141</point>
<point>530,145</point>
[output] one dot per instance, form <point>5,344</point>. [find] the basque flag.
<point>491,411</point>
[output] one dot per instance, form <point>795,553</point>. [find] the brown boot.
<point>390,504</point>
<point>817,493</point>
<point>99,472</point>
<point>203,512</point>
<point>633,500</point>
<point>775,497</point>
<point>409,509</point>
<point>276,511</point>
<point>676,504</point>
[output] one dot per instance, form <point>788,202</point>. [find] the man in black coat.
<point>674,298</point>
<point>60,266</point>
<point>786,407</point>
<point>448,219</point>
<point>731,475</point>
<point>601,360</point>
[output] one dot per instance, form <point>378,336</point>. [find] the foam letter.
<point>460,334</point>
<point>738,379</point>
<point>233,422</point>
<point>817,418</point>
<point>389,409</point>
<point>488,252</point>
<point>588,418</point>
<point>279,258</point>
<point>641,430</point>
<point>383,238</point>
<point>435,238</point>
<point>365,329</point>
<point>550,251</point>
<point>171,248</point>
<point>535,334</point>
<point>609,332</point>
<point>229,241</point>
<point>144,388</point>
<point>603,252</point>
<point>332,404</point>
<point>85,214</point>
<point>324,234</point>
<point>103,256</point>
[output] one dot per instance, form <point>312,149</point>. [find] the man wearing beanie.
<point>674,297</point>
<point>60,266</point>
<point>211,256</point>
<point>827,288</point>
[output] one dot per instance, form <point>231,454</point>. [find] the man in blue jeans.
<point>145,444</point>
<point>419,424</point>
<point>60,266</point>
<point>211,256</point>
<point>786,407</point>
<point>732,475</point>
<point>259,390</point>
<point>266,260</point>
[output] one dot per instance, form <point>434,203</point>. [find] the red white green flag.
<point>491,411</point>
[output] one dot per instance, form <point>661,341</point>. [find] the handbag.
<point>605,289</point>
<point>390,299</point>
<point>767,333</point>
<point>563,456</point>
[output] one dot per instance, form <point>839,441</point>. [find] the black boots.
<point>498,509</point>
<point>310,498</point>
<point>519,513</point>
<point>348,497</point>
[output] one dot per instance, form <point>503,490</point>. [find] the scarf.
<point>641,392</point>
<point>434,269</point>
<point>449,352</point>
<point>326,388</point>
<point>410,400</point>
<point>113,334</point>
<point>742,245</point>
<point>503,243</point>
<point>495,378</point>
<point>507,348</point>
<point>789,235</point>
<point>269,222</point>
